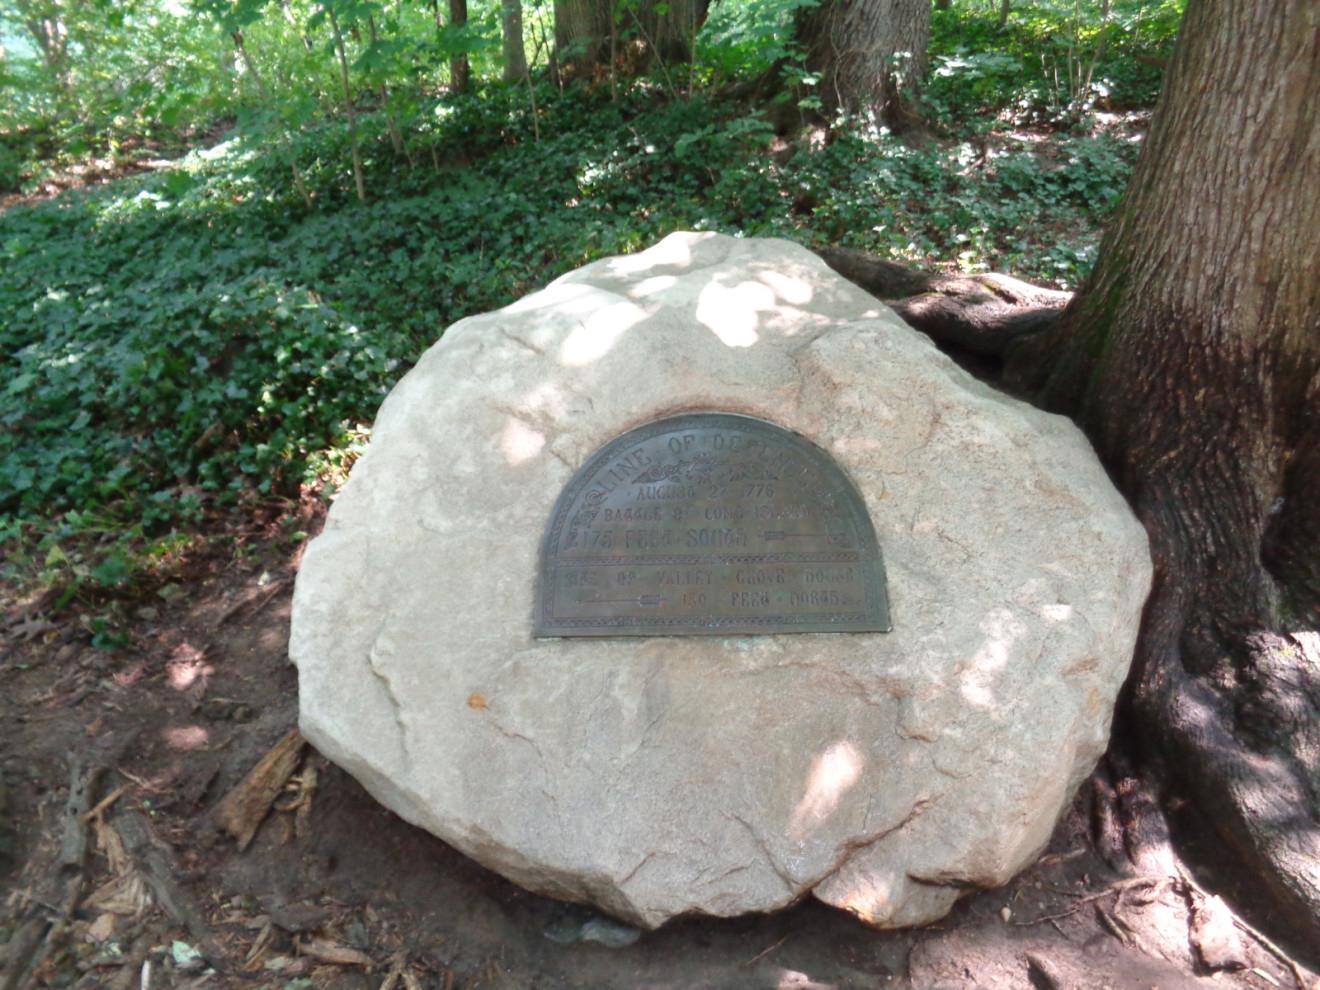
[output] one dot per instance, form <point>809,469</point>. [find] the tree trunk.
<point>241,47</point>
<point>589,33</point>
<point>459,70</point>
<point>45,23</point>
<point>515,53</point>
<point>1192,359</point>
<point>869,54</point>
<point>396,139</point>
<point>348,106</point>
<point>583,29</point>
<point>667,28</point>
<point>292,21</point>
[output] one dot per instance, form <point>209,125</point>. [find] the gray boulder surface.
<point>885,773</point>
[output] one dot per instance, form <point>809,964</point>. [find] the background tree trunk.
<point>515,54</point>
<point>44,20</point>
<point>583,32</point>
<point>670,34</point>
<point>870,54</point>
<point>459,69</point>
<point>1192,359</point>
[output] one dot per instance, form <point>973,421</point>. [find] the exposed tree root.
<point>1223,708</point>
<point>980,313</point>
<point>1255,791</point>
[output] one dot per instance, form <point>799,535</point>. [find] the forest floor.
<point>116,870</point>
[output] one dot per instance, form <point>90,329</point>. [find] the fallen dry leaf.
<point>1215,936</point>
<point>336,953</point>
<point>30,627</point>
<point>127,895</point>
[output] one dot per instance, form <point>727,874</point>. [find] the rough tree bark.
<point>870,55</point>
<point>1192,359</point>
<point>583,32</point>
<point>589,33</point>
<point>515,52</point>
<point>459,69</point>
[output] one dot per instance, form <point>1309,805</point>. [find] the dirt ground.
<point>117,870</point>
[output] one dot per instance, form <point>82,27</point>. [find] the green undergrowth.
<point>1050,65</point>
<point>184,339</point>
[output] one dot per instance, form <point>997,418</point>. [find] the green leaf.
<point>112,572</point>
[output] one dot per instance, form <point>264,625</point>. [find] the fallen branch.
<point>23,944</point>
<point>35,942</point>
<point>245,807</point>
<point>156,866</point>
<point>73,845</point>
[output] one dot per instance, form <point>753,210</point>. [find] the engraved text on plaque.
<point>708,524</point>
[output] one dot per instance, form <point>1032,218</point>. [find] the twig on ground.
<point>400,971</point>
<point>31,898</point>
<point>334,953</point>
<point>1053,859</point>
<point>1118,887</point>
<point>395,973</point>
<point>140,781</point>
<point>254,954</point>
<point>765,952</point>
<point>255,601</point>
<point>105,802</point>
<point>24,942</point>
<point>1055,917</point>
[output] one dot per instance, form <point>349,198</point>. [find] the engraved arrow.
<point>643,600</point>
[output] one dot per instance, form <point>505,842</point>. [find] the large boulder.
<point>884,772</point>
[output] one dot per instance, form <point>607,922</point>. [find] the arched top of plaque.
<point>710,524</point>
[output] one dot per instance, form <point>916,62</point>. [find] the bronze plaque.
<point>710,524</point>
